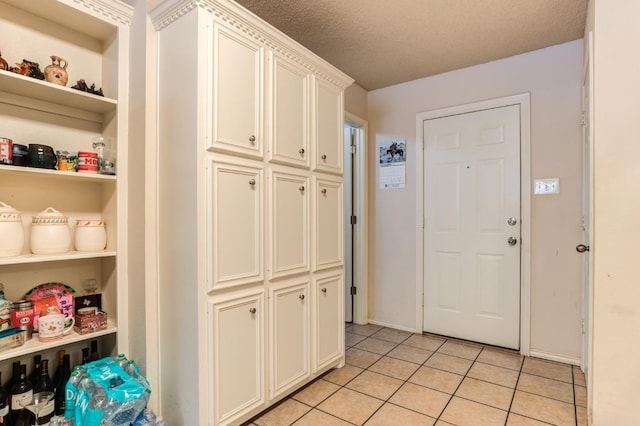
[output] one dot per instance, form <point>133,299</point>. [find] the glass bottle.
<point>21,395</point>
<point>35,373</point>
<point>4,404</point>
<point>85,355</point>
<point>93,355</point>
<point>14,376</point>
<point>56,375</point>
<point>60,385</point>
<point>44,384</point>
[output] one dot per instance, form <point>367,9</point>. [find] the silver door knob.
<point>252,310</point>
<point>301,297</point>
<point>512,241</point>
<point>512,221</point>
<point>581,248</point>
<point>324,156</point>
<point>301,151</point>
<point>252,139</point>
<point>324,290</point>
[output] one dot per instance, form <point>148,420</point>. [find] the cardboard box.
<point>90,323</point>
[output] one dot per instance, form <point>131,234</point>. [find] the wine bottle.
<point>94,356</point>
<point>56,374</point>
<point>4,404</point>
<point>35,373</point>
<point>85,355</point>
<point>60,385</point>
<point>21,395</point>
<point>14,376</point>
<point>44,384</point>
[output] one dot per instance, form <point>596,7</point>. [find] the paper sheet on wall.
<point>392,161</point>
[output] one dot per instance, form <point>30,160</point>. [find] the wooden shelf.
<point>55,174</point>
<point>39,258</point>
<point>34,345</point>
<point>38,89</point>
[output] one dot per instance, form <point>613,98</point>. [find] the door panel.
<point>472,188</point>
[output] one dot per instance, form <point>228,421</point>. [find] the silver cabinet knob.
<point>301,188</point>
<point>252,182</point>
<point>512,221</point>
<point>581,248</point>
<point>301,151</point>
<point>324,190</point>
<point>324,156</point>
<point>324,290</point>
<point>301,297</point>
<point>252,310</point>
<point>252,139</point>
<point>512,241</point>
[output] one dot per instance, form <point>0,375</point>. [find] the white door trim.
<point>360,313</point>
<point>523,100</point>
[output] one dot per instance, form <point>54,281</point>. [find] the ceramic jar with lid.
<point>90,235</point>
<point>11,230</point>
<point>50,232</point>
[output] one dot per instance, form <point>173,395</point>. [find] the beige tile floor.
<point>394,377</point>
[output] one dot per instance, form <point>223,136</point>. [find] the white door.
<point>472,235</point>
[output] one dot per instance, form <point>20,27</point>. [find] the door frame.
<point>360,314</point>
<point>523,100</point>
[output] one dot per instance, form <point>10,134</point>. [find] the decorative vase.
<point>56,72</point>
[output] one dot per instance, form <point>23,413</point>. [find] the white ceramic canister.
<point>50,232</point>
<point>90,235</point>
<point>11,230</point>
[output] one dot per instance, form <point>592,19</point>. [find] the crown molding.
<point>232,14</point>
<point>115,11</point>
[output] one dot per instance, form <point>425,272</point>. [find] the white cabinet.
<point>328,290</point>
<point>237,212</point>
<point>237,330</point>
<point>289,313</point>
<point>237,92</point>
<point>329,229</point>
<point>289,224</point>
<point>236,233</point>
<point>289,141</point>
<point>93,37</point>
<point>328,124</point>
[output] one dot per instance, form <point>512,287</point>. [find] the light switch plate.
<point>546,186</point>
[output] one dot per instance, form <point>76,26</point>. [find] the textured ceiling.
<point>384,42</point>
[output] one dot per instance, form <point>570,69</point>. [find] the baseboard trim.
<point>555,357</point>
<point>394,326</point>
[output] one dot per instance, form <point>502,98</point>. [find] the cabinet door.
<point>328,124</point>
<point>237,333</point>
<point>235,254</point>
<point>289,334</point>
<point>289,224</point>
<point>237,93</point>
<point>329,229</point>
<point>329,319</point>
<point>289,109</point>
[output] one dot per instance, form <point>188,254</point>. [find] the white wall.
<point>616,330</point>
<point>553,77</point>
<point>355,101</point>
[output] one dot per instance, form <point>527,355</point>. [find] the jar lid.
<point>22,304</point>
<point>51,216</point>
<point>6,208</point>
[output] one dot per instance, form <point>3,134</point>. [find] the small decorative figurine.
<point>56,72</point>
<point>3,64</point>
<point>28,68</point>
<point>82,85</point>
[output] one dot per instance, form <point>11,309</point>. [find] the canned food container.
<point>12,231</point>
<point>22,316</point>
<point>90,235</point>
<point>12,338</point>
<point>20,155</point>
<point>88,161</point>
<point>50,232</point>
<point>6,151</point>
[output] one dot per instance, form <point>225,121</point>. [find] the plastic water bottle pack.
<point>107,392</point>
